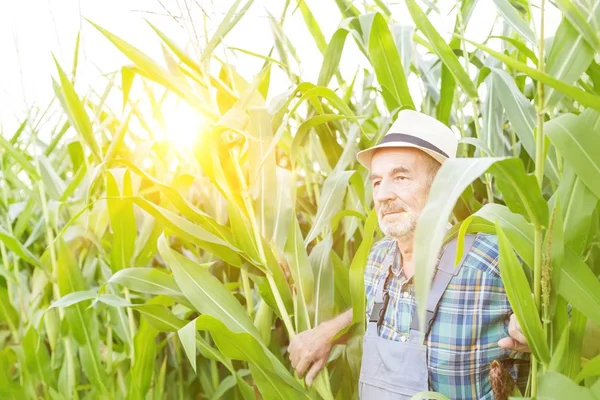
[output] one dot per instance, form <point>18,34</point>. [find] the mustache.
<point>391,207</point>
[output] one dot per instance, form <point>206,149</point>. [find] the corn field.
<point>133,269</point>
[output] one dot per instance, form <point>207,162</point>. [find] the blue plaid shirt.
<point>473,315</point>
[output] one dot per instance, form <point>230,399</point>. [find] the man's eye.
<point>376,183</point>
<point>400,178</point>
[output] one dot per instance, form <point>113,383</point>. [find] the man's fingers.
<point>515,333</point>
<point>295,350</point>
<point>303,365</point>
<point>314,371</point>
<point>512,344</point>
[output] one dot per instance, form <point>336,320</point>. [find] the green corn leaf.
<point>52,183</point>
<point>387,64</point>
<point>519,295</point>
<point>522,116</point>
<point>243,237</point>
<point>146,280</point>
<point>313,26</point>
<point>451,180</point>
<point>592,368</point>
<point>553,385</point>
<point>187,335</point>
<point>577,203</point>
<point>272,378</point>
<point>127,76</point>
<point>82,322</point>
<point>583,19</point>
<point>143,366</point>
<point>520,191</point>
<point>577,138</point>
<point>74,109</point>
<point>74,298</point>
<point>448,86</point>
<point>554,244</point>
<point>569,57</point>
<point>8,314</point>
<point>205,292</point>
<point>160,317</point>
<point>518,231</point>
<point>332,56</point>
<point>20,157</point>
<point>263,175</point>
<point>150,69</point>
<point>330,202</point>
<point>520,112</point>
<point>306,127</point>
<point>37,358</point>
<point>230,19</point>
<point>324,280</point>
<point>441,48</point>
<point>586,99</point>
<point>122,220</point>
<point>357,268</point>
<point>284,206</point>
<point>18,248</point>
<point>186,208</point>
<point>193,233</point>
<point>579,286</point>
<point>180,53</point>
<point>513,18</point>
<point>301,271</point>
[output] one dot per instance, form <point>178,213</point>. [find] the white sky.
<point>32,30</point>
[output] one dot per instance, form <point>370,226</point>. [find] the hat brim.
<point>364,157</point>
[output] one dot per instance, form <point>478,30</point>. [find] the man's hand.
<point>517,340</point>
<point>311,348</point>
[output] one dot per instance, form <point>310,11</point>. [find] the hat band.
<point>402,137</point>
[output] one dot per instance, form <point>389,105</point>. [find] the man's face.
<point>400,179</point>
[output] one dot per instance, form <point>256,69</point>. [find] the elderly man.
<point>470,321</point>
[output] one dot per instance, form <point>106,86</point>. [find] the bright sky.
<point>32,30</point>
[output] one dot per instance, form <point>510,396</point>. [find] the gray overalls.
<point>394,369</point>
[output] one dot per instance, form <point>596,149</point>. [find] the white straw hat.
<point>418,130</point>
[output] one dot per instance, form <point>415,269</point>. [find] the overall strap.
<point>444,274</point>
<point>382,297</point>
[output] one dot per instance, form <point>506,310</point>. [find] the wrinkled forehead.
<point>388,160</point>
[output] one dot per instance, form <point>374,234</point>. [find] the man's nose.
<point>384,192</point>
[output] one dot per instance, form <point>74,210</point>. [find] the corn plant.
<point>134,269</point>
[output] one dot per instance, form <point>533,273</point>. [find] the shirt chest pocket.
<point>400,310</point>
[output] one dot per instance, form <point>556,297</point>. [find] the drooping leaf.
<point>441,48</point>
<point>520,191</point>
<point>585,98</point>
<point>18,248</point>
<point>451,180</point>
<point>513,18</point>
<point>205,292</point>
<point>519,295</point>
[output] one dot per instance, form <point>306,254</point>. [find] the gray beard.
<point>399,229</point>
